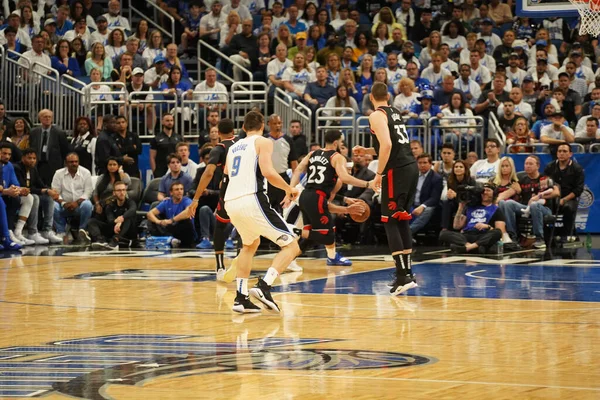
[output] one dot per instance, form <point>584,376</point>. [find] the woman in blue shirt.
<point>174,87</point>
<point>62,62</point>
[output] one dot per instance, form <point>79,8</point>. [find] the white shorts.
<point>253,217</point>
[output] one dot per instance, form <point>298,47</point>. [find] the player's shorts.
<point>221,213</point>
<point>315,212</point>
<point>398,189</point>
<point>253,217</point>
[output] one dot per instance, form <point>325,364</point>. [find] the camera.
<point>471,195</point>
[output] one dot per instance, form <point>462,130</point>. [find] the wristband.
<point>380,173</point>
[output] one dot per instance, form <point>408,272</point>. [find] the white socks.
<point>19,227</point>
<point>506,238</point>
<point>270,276</point>
<point>242,285</point>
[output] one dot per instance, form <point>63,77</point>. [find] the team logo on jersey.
<point>324,220</point>
<point>392,205</point>
<point>84,368</point>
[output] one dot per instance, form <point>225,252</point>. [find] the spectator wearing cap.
<point>500,12</point>
<point>546,111</point>
<point>101,34</point>
<point>10,35</point>
<point>419,113</point>
<point>423,28</point>
<point>541,74</point>
<point>556,132</point>
<point>114,17</point>
<point>490,38</point>
<point>408,56</point>
<point>301,39</point>
<point>530,95</point>
<point>571,96</point>
<point>62,62</point>
<point>81,31</point>
<point>514,73</point>
<point>503,51</point>
<point>582,71</point>
<point>293,23</point>
<point>50,29</point>
<point>542,43</point>
<point>140,111</point>
<point>157,74</point>
<point>22,37</point>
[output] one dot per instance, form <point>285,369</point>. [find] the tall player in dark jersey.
<point>397,176</point>
<point>324,167</point>
<point>217,158</point>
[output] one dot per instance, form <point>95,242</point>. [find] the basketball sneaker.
<point>339,260</point>
<point>262,292</point>
<point>294,267</point>
<point>231,272</point>
<point>220,274</point>
<point>229,245</point>
<point>402,284</point>
<point>243,305</point>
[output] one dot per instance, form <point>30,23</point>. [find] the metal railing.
<point>202,61</point>
<point>101,102</point>
<point>495,131</point>
<point>543,148</point>
<point>467,135</point>
<point>283,104</point>
<point>72,99</point>
<point>246,96</point>
<point>145,109</point>
<point>303,114</point>
<point>154,20</point>
<point>193,111</point>
<point>361,135</point>
<point>15,92</point>
<point>594,148</point>
<point>44,88</point>
<point>342,118</point>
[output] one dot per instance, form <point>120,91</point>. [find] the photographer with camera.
<point>479,220</point>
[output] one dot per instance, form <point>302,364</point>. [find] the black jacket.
<point>570,179</point>
<point>130,146</point>
<point>58,147</point>
<point>106,146</point>
<point>113,210</point>
<point>34,184</point>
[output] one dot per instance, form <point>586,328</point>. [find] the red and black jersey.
<point>400,154</point>
<point>321,173</point>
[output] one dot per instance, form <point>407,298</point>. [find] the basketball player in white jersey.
<point>249,166</point>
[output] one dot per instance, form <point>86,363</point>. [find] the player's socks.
<point>270,276</point>
<point>330,252</point>
<point>220,263</point>
<point>242,285</point>
<point>407,261</point>
<point>400,266</point>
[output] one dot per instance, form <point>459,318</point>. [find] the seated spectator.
<point>564,105</point>
<point>116,44</point>
<point>101,34</point>
<point>142,34</point>
<point>379,57</point>
<point>419,113</point>
<point>508,118</point>
<point>342,99</point>
<point>427,197</point>
<point>433,46</point>
<point>361,41</point>
<point>423,27</point>
<point>171,60</point>
<point>191,31</point>
<point>81,31</point>
<point>466,138</point>
<point>14,22</point>
<point>79,53</point>
<point>158,74</point>
<point>243,50</point>
<point>214,94</point>
<point>264,57</point>
<point>556,132</point>
<point>277,67</point>
<point>129,145</point>
<point>365,74</point>
<point>11,42</point>
<point>114,17</point>
<point>445,166</point>
<point>105,186</point>
<point>124,72</point>
<point>119,225</point>
<point>74,186</point>
<point>416,148</point>
<point>283,37</point>
<point>485,170</point>
<point>480,226</point>
<point>301,44</point>
<point>454,35</point>
<point>188,165</point>
<point>175,220</point>
<point>458,178</point>
<point>84,143</point>
<point>535,191</point>
<point>29,178</point>
<point>443,95</point>
<point>174,87</point>
<point>132,45</point>
<point>18,135</point>
<point>266,23</point>
<point>520,134</point>
<point>514,73</point>
<point>100,95</point>
<point>570,177</point>
<point>382,36</point>
<point>212,121</point>
<point>297,77</point>
<point>155,48</point>
<point>506,181</point>
<point>591,134</point>
<point>435,74</point>
<point>293,23</point>
<point>62,62</point>
<point>99,60</point>
<point>175,174</point>
<point>407,96</point>
<point>549,108</point>
<point>317,93</point>
<point>18,200</point>
<point>491,99</point>
<point>141,105</point>
<point>520,106</point>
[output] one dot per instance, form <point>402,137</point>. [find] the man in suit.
<point>427,197</point>
<point>50,144</point>
<point>29,177</point>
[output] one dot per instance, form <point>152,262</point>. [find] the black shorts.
<point>220,213</point>
<point>315,213</point>
<point>398,188</point>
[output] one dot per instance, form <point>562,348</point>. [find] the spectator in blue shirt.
<point>63,25</point>
<point>379,57</point>
<point>174,87</point>
<point>175,175</point>
<point>419,113</point>
<point>174,219</point>
<point>62,62</point>
<point>317,93</point>
<point>293,23</point>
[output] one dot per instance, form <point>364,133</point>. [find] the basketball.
<point>362,217</point>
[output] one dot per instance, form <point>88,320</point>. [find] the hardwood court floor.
<point>148,326</point>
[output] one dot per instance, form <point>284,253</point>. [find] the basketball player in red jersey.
<point>397,177</point>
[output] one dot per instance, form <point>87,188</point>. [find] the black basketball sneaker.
<point>262,292</point>
<point>402,284</point>
<point>243,305</point>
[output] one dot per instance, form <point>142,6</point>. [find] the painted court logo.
<point>83,368</point>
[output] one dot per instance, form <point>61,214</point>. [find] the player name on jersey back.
<point>245,177</point>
